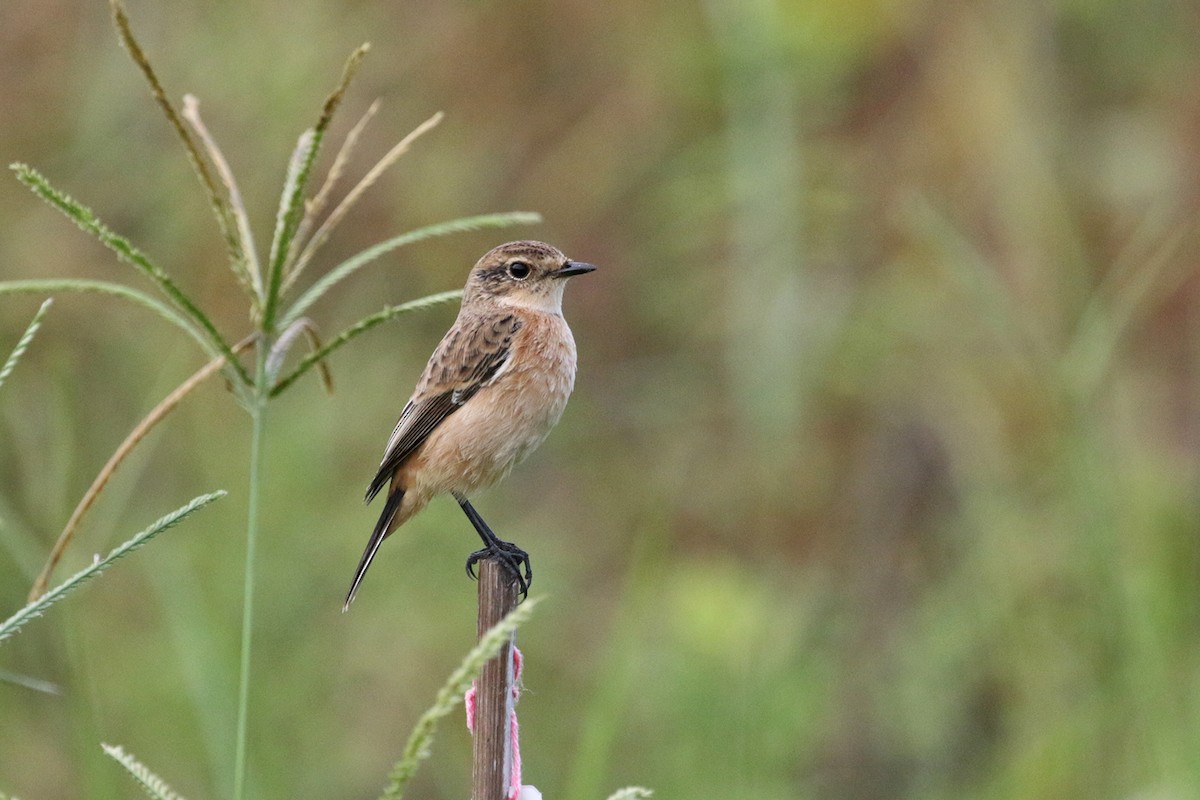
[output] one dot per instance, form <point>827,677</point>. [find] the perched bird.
<point>492,390</point>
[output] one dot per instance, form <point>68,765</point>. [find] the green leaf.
<point>11,363</point>
<point>357,262</point>
<point>153,785</point>
<point>362,326</point>
<point>38,607</point>
<point>118,290</point>
<point>420,741</point>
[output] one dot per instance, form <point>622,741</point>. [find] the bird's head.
<point>525,274</point>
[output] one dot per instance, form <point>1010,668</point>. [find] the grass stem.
<point>258,409</point>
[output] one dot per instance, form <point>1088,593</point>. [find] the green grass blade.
<point>4,796</point>
<point>30,682</point>
<point>291,207</point>
<point>117,290</point>
<point>1112,310</point>
<point>23,343</point>
<point>287,339</point>
<point>88,222</point>
<point>357,262</point>
<point>420,741</point>
<point>153,785</point>
<point>968,269</point>
<point>35,609</point>
<point>362,326</point>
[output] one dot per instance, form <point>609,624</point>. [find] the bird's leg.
<point>507,553</point>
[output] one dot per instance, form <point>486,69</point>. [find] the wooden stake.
<point>493,695</point>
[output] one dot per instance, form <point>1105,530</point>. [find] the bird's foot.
<point>511,557</point>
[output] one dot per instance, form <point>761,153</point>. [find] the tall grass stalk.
<point>258,412</point>
<point>278,319</point>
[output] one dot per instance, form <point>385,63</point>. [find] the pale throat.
<point>549,302</point>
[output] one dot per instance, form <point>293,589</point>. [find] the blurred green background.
<point>880,476</point>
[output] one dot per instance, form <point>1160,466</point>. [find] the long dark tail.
<point>389,510</point>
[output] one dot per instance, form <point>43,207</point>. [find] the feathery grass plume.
<point>357,262</point>
<point>4,796</point>
<point>153,785</point>
<point>314,207</point>
<point>288,198</point>
<point>35,609</point>
<point>245,268</point>
<point>23,343</point>
<point>291,204</point>
<point>221,208</point>
<point>362,326</point>
<point>420,741</point>
<point>631,793</point>
<point>87,221</point>
<point>368,180</point>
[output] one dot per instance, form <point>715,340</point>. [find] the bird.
<point>491,392</point>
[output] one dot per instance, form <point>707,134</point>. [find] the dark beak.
<point>574,268</point>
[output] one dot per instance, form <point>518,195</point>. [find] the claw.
<point>511,558</point>
<point>507,553</point>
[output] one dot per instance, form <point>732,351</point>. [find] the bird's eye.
<point>519,270</point>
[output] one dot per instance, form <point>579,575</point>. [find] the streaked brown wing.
<point>464,362</point>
